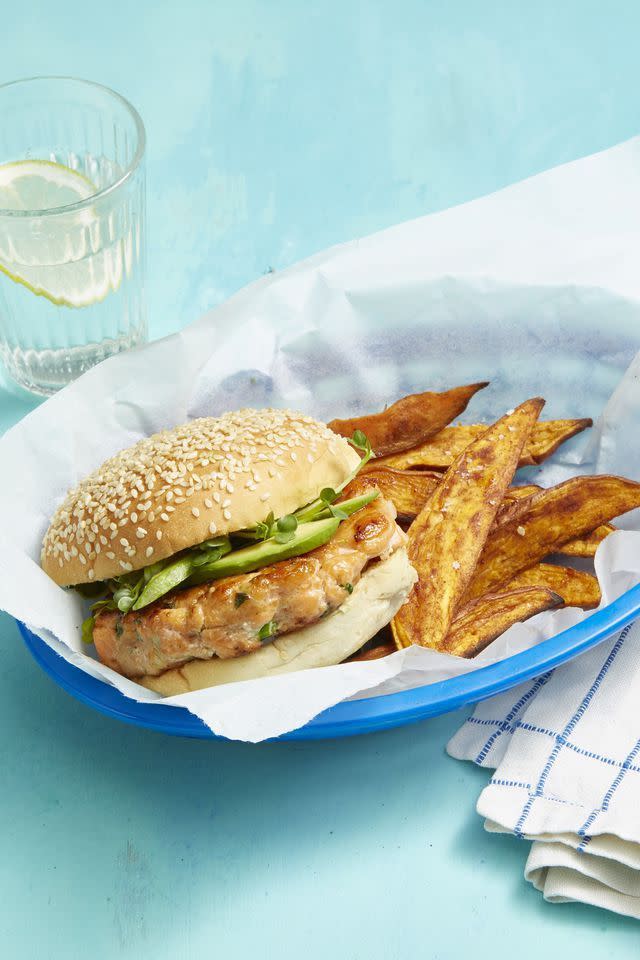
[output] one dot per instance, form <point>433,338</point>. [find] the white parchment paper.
<point>536,288</point>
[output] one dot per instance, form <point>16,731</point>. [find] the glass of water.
<point>72,211</point>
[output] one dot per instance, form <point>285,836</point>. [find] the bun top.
<point>209,477</point>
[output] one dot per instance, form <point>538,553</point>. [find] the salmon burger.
<point>230,548</point>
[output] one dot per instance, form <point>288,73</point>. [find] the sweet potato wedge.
<point>374,653</point>
<point>586,546</point>
<point>521,492</point>
<point>410,420</point>
<point>549,519</point>
<point>576,587</point>
<point>480,622</point>
<point>438,452</point>
<point>448,535</point>
<point>513,496</point>
<point>580,547</point>
<point>408,490</point>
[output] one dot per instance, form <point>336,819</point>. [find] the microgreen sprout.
<point>286,528</point>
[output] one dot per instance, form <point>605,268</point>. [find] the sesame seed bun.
<point>209,477</point>
<point>376,598</point>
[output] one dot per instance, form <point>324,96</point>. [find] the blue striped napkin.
<point>565,750</point>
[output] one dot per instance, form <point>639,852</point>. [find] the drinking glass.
<point>72,218</point>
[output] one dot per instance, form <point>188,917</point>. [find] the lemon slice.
<point>57,260</point>
<point>41,185</point>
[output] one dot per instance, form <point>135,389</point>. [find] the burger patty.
<point>223,618</point>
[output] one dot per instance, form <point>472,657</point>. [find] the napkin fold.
<point>565,749</point>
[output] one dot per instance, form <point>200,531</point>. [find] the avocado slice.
<point>187,572</point>
<point>307,537</point>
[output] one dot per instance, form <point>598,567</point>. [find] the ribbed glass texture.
<point>72,276</point>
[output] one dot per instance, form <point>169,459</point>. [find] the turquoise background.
<point>275,129</point>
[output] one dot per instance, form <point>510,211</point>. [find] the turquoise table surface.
<point>275,129</point>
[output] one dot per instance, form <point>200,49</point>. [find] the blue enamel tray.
<point>357,716</point>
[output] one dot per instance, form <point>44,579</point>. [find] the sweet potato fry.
<point>374,653</point>
<point>408,490</point>
<point>410,420</point>
<point>586,546</point>
<point>447,536</point>
<point>581,547</point>
<point>522,492</point>
<point>576,587</point>
<point>515,494</point>
<point>438,452</point>
<point>485,619</point>
<point>549,519</point>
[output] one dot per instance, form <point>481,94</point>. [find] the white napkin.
<point>566,753</point>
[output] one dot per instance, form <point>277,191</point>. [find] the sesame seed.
<point>456,564</point>
<point>81,559</point>
<point>111,555</point>
<point>208,503</point>
<point>158,534</point>
<point>509,412</point>
<point>212,527</point>
<point>91,574</point>
<point>126,566</point>
<point>521,531</point>
<point>134,518</point>
<point>148,552</point>
<point>264,496</point>
<point>141,533</point>
<point>124,541</point>
<point>164,516</point>
<point>226,514</point>
<point>195,512</point>
<point>225,503</point>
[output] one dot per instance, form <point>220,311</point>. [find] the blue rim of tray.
<point>357,716</point>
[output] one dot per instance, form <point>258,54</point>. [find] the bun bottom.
<point>376,598</point>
